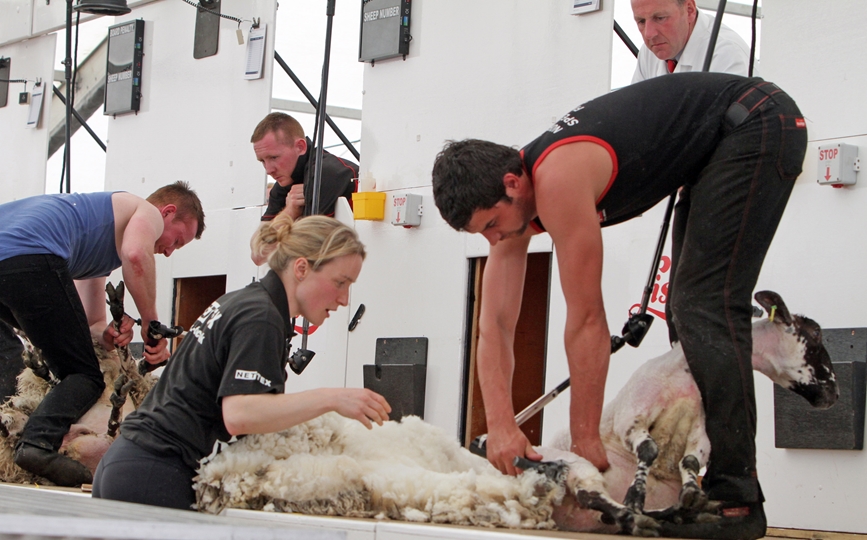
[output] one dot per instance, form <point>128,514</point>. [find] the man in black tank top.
<point>733,147</point>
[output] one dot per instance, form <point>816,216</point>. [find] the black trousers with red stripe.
<point>723,226</point>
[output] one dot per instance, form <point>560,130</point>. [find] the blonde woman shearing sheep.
<point>227,377</point>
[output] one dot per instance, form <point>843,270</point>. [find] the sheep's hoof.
<point>693,498</point>
<point>645,526</point>
<point>635,497</point>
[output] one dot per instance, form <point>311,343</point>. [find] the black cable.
<point>753,41</point>
<point>62,170</point>
<point>203,8</point>
<point>335,145</point>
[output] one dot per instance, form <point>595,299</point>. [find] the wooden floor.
<point>812,535</point>
<point>46,512</point>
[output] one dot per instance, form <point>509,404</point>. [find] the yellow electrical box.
<point>368,205</point>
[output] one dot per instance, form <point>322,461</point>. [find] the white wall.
<point>489,69</point>
<point>195,123</point>
<point>817,261</point>
<point>23,149</point>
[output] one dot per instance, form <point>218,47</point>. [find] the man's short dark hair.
<point>285,127</point>
<point>468,176</point>
<point>181,195</point>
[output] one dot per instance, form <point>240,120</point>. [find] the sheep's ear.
<point>773,304</point>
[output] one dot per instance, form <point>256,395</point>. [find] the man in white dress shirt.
<point>676,36</point>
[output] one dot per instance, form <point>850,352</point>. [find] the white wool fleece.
<point>407,470</point>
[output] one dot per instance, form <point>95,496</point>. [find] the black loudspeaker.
<point>399,374</point>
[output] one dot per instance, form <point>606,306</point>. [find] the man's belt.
<point>750,101</point>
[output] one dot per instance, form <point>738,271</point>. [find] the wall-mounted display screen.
<point>384,29</point>
<point>123,68</point>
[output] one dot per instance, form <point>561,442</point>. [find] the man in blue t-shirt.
<point>55,253</point>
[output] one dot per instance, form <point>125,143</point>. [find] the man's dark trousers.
<point>724,223</point>
<point>38,296</point>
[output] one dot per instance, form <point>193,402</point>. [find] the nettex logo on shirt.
<point>245,375</point>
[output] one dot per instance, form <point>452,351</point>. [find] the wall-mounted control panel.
<point>838,164</point>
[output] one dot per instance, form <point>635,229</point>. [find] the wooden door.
<point>528,381</point>
<point>193,295</point>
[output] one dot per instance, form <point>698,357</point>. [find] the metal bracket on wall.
<point>5,68</point>
<point>207,36</point>
<point>399,374</point>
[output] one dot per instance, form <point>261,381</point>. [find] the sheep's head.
<point>801,363</point>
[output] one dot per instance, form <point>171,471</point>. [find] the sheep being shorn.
<point>87,439</point>
<point>653,430</point>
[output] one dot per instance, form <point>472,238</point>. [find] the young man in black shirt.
<point>733,147</point>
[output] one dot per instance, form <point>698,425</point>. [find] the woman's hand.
<point>363,405</point>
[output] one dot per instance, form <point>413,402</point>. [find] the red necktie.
<point>671,64</point>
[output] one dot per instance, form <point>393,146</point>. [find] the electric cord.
<point>222,15</point>
<point>753,40</point>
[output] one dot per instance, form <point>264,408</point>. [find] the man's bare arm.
<point>502,289</point>
<point>139,269</point>
<point>92,295</point>
<point>567,185</point>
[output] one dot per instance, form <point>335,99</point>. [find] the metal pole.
<point>320,111</point>
<point>81,120</point>
<point>67,157</point>
<point>623,37</point>
<point>720,10</point>
<point>320,128</point>
<point>312,100</point>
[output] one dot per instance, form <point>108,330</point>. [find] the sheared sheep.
<point>87,439</point>
<point>413,471</point>
<point>658,415</point>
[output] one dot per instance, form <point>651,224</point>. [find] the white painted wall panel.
<point>240,270</point>
<point>197,115</point>
<point>15,20</point>
<point>194,125</point>
<point>825,73</point>
<point>495,70</point>
<point>818,265</point>
<point>817,261</point>
<point>413,284</point>
<point>23,150</point>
